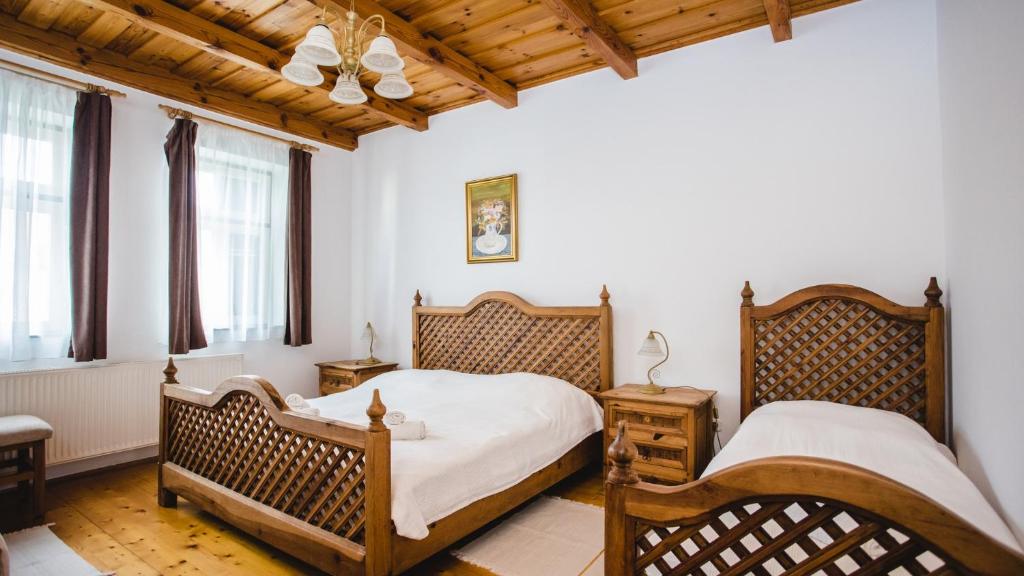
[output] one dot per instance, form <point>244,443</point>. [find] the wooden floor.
<point>112,520</point>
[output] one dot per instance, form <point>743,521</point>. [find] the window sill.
<point>43,365</point>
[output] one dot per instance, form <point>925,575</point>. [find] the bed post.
<point>416,304</point>
<point>746,351</point>
<point>378,490</point>
<point>935,359</point>
<point>605,336</point>
<point>165,498</point>
<point>619,531</point>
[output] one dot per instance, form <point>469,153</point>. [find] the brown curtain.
<point>186,324</point>
<point>298,328</point>
<point>90,194</point>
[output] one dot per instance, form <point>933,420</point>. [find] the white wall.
<point>137,317</point>
<point>981,71</point>
<point>811,161</point>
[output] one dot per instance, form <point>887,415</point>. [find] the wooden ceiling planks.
<point>75,19</point>
<point>458,52</point>
<point>103,30</point>
<point>42,13</point>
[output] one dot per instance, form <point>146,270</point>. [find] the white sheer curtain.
<point>36,119</point>
<point>242,192</point>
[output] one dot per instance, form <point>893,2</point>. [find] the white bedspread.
<point>887,443</point>
<point>484,434</point>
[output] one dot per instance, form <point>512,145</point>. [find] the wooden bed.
<point>319,489</point>
<point>832,343</point>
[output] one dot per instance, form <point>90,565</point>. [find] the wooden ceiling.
<point>224,55</point>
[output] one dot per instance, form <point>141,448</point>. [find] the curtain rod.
<point>173,112</point>
<point>41,75</point>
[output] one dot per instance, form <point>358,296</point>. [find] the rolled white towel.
<point>394,418</point>
<point>409,430</point>
<point>298,404</point>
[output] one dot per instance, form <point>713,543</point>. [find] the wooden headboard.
<point>499,332</point>
<point>849,345</point>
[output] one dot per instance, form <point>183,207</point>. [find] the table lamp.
<point>652,348</point>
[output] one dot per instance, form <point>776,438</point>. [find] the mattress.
<point>484,434</point>
<point>886,443</point>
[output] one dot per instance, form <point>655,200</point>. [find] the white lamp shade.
<point>393,85</point>
<point>318,47</point>
<point>348,91</point>
<point>303,72</point>
<point>651,347</point>
<point>382,56</point>
<point>369,333</point>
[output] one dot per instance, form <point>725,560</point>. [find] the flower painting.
<point>491,233</point>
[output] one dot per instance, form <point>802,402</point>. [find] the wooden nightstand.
<point>346,374</point>
<point>672,431</point>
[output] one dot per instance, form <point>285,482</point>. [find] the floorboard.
<point>112,520</point>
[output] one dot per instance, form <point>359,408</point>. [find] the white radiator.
<point>104,409</point>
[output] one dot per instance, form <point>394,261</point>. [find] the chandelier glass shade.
<point>382,56</point>
<point>393,85</point>
<point>302,72</point>
<point>349,54</point>
<point>348,91</point>
<point>318,47</point>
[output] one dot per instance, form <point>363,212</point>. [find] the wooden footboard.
<point>315,488</point>
<point>791,515</point>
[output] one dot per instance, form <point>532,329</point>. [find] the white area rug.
<point>551,536</point>
<point>38,552</point>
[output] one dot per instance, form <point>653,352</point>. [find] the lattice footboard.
<point>793,516</point>
<point>316,488</point>
<point>787,537</point>
<point>239,446</point>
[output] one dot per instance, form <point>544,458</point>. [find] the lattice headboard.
<point>848,345</point>
<point>499,332</point>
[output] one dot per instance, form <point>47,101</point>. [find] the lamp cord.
<point>714,411</point>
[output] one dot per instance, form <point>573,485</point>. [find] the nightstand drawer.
<point>326,389</point>
<point>667,450</point>
<point>661,439</point>
<point>674,458</point>
<point>660,474</point>
<point>333,379</point>
<point>649,419</point>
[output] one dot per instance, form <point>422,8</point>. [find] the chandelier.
<point>320,48</point>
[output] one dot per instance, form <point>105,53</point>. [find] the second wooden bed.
<point>829,343</point>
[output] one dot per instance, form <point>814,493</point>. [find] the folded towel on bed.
<point>409,430</point>
<point>394,418</point>
<point>298,404</point>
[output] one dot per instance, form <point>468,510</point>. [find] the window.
<point>242,189</point>
<point>36,120</point>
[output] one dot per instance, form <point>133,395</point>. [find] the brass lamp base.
<point>651,388</point>
<point>368,361</point>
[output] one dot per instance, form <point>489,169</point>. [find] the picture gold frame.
<point>503,192</point>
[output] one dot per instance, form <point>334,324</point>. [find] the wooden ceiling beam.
<point>585,23</point>
<point>779,19</point>
<point>67,52</point>
<point>432,52</point>
<point>192,30</point>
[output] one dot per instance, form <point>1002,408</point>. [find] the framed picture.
<point>492,233</point>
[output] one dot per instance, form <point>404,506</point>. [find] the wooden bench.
<point>22,435</point>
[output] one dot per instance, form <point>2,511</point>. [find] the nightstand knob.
<point>647,419</point>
